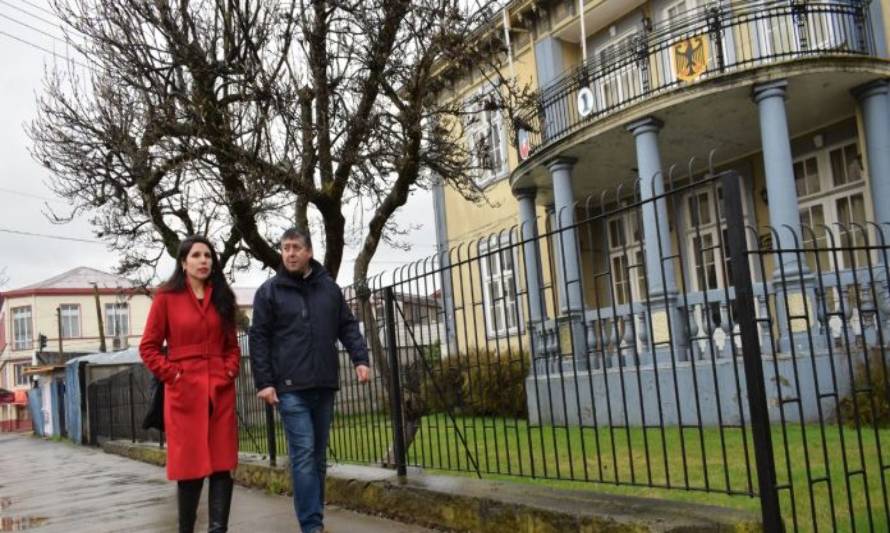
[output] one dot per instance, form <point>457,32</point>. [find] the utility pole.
<point>99,317</point>
<point>59,323</point>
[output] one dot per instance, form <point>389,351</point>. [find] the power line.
<point>26,12</point>
<point>47,50</point>
<point>41,8</point>
<point>33,28</point>
<point>31,195</point>
<point>44,235</point>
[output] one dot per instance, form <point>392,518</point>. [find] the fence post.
<point>751,356</point>
<point>395,388</point>
<point>132,407</point>
<point>270,435</point>
<point>110,409</point>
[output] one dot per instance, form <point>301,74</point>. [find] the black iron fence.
<point>666,342</point>
<point>696,45</point>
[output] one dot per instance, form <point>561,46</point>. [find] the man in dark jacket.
<point>298,317</point>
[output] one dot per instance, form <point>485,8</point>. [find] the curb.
<point>464,504</point>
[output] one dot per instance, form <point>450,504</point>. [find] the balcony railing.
<point>700,44</point>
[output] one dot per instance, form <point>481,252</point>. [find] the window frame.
<point>629,255</point>
<point>489,249</point>
<point>482,121</point>
<point>19,378</point>
<point>77,331</point>
<point>828,199</point>
<point>715,230</point>
<point>22,342</point>
<point>116,306</point>
<point>632,71</point>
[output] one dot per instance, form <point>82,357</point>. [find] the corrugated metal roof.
<point>122,357</point>
<point>82,278</point>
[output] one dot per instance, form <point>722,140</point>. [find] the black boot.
<point>188,494</point>
<point>220,502</point>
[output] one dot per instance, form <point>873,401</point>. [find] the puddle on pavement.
<point>21,523</point>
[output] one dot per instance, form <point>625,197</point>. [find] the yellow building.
<point>604,243</point>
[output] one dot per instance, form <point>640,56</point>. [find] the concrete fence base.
<point>464,504</point>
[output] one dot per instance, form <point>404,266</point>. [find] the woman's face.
<point>198,262</point>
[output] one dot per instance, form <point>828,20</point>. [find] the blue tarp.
<point>54,406</point>
<point>72,404</point>
<point>35,404</point>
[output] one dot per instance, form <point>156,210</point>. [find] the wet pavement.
<point>57,486</point>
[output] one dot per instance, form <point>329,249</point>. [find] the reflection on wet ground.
<point>61,488</point>
<point>20,523</point>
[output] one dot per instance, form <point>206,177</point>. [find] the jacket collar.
<point>283,277</point>
<point>204,304</point>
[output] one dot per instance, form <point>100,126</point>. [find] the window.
<point>833,200</point>
<point>705,266</point>
<point>628,271</point>
<point>851,216</point>
<point>20,379</point>
<point>622,79</point>
<point>707,240</point>
<point>499,289</point>
<point>845,165</point>
<point>485,138</point>
<point>117,320</point>
<point>806,177</point>
<point>70,319</point>
<point>814,238</point>
<point>777,32</point>
<point>700,209</point>
<point>22,332</point>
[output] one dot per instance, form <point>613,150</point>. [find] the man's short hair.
<point>296,233</point>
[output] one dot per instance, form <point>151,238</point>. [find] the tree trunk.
<point>301,218</point>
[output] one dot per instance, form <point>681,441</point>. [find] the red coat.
<point>199,441</point>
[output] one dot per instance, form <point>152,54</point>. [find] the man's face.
<point>295,255</point>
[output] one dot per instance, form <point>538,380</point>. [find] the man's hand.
<point>363,373</point>
<point>268,395</point>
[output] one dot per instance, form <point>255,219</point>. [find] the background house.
<point>64,311</point>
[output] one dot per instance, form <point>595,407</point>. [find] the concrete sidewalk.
<point>57,486</point>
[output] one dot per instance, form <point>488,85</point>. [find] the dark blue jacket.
<point>296,324</point>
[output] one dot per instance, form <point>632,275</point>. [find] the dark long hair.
<point>223,298</point>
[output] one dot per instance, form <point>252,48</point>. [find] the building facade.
<point>608,229</point>
<point>64,312</point>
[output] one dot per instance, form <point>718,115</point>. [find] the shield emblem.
<point>691,57</point>
<point>524,147</point>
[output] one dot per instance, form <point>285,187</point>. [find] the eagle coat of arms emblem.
<point>691,57</point>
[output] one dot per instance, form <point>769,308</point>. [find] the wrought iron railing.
<point>699,45</point>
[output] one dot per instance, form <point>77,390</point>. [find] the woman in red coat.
<point>194,314</point>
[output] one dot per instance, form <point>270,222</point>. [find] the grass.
<point>711,466</point>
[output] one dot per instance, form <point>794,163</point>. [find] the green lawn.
<point>710,463</point>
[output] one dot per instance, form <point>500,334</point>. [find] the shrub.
<point>477,383</point>
<point>873,402</point>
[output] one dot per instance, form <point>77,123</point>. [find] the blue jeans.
<point>307,417</point>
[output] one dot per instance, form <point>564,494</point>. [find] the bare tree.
<point>232,118</point>
<point>4,279</point>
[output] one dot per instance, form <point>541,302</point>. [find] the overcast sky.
<point>24,193</point>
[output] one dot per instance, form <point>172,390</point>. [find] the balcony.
<point>697,47</point>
